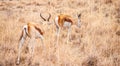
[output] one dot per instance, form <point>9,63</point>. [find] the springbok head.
<point>46,17</point>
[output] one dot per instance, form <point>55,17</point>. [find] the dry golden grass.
<point>95,43</point>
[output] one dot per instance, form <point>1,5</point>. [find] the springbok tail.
<point>24,33</point>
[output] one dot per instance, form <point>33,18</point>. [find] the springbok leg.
<point>22,39</point>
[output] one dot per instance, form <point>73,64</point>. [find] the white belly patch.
<point>67,24</point>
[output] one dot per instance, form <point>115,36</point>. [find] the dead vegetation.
<point>95,43</point>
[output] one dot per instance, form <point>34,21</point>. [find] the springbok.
<point>46,19</point>
<point>64,20</point>
<point>33,31</point>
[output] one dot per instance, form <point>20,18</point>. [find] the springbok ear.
<point>79,15</point>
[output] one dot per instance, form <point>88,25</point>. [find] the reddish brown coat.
<point>62,18</point>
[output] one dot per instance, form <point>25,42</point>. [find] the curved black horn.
<point>42,17</point>
<point>49,17</point>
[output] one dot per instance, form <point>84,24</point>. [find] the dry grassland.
<point>95,43</point>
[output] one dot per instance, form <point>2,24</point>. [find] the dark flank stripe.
<point>39,30</point>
